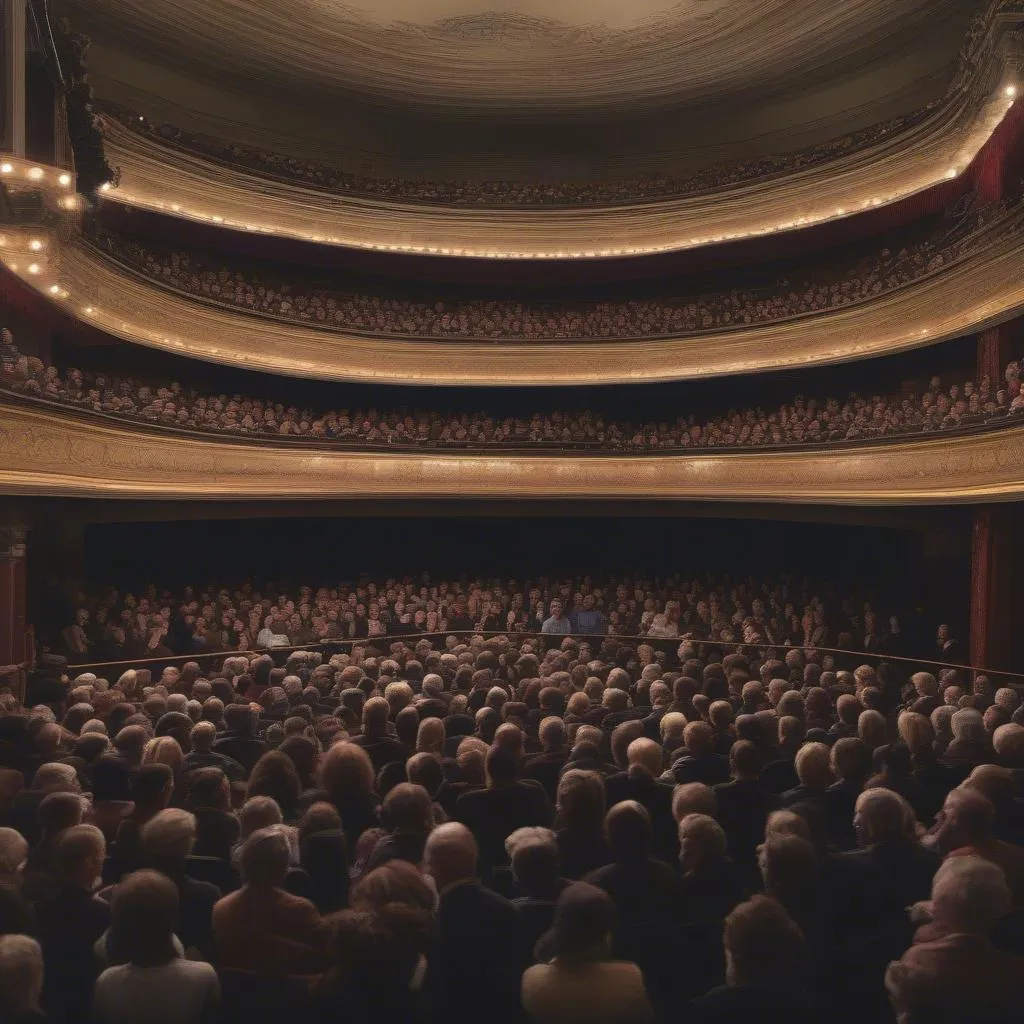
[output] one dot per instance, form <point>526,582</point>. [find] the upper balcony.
<point>852,166</point>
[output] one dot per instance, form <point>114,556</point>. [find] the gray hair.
<point>969,894</point>
<point>21,973</point>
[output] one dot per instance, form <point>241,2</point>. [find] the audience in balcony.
<point>816,289</point>
<point>508,193</point>
<point>464,907</point>
<point>804,421</point>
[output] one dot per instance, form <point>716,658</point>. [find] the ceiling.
<point>534,55</point>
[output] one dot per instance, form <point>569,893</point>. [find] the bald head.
<point>451,855</point>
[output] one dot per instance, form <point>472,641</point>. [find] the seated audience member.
<point>533,855</point>
<point>765,956</point>
<point>579,823</point>
<point>789,867</point>
<point>641,782</point>
<point>15,912</point>
<point>261,928</point>
<point>407,818</point>
<point>958,974</point>
<point>111,780</point>
<point>274,775</point>
<point>377,950</point>
<point>239,741</point>
<point>964,829</point>
<point>346,776</point>
<point>710,886</point>
<point>382,747</point>
<point>168,840</point>
<point>156,984</point>
<point>851,765</point>
<point>202,755</point>
<point>743,806</point>
<point>700,762</point>
<point>57,813</point>
<point>641,886</point>
<point>152,789</point>
<point>323,855</point>
<point>480,953</point>
<point>508,803</point>
<point>545,766</point>
<point>69,923</point>
<point>999,785</point>
<point>576,981</point>
<point>21,980</point>
<point>814,771</point>
<point>209,800</point>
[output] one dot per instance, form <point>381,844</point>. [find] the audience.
<point>804,421</point>
<point>506,193</point>
<point>414,823</point>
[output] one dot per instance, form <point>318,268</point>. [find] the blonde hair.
<point>164,750</point>
<point>693,798</point>
<point>21,974</point>
<point>645,754</point>
<point>430,736</point>
<point>813,767</point>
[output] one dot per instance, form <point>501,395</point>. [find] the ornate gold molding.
<point>984,288</point>
<point>73,454</point>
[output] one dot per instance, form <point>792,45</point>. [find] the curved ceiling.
<point>529,54</point>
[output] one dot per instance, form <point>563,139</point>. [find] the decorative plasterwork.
<point>984,288</point>
<point>181,184</point>
<point>72,455</point>
<point>499,54</point>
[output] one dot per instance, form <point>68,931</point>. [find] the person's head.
<point>58,812</point>
<point>581,800</point>
<point>552,733</point>
<point>376,712</point>
<point>582,929</point>
<point>80,854</point>
<point>966,819</point>
<point>209,789</point>
<point>533,854</point>
<point>319,817</point>
<point>699,739</point>
<point>450,856</point>
<point>745,759</point>
<point>152,788</point>
<point>202,736</point>
<point>693,798</point>
<point>916,731</point>
<point>872,728</point>
<point>851,759</point>
<point>164,750</point>
<point>13,854</point>
<point>21,976</point>
<point>789,866</point>
<point>143,916</point>
<point>764,947</point>
<point>628,827</point>
<point>996,783</point>
<point>969,894</point>
<point>787,823</point>
<point>167,840</point>
<point>407,808</point>
<point>881,816</point>
<point>346,773</point>
<point>264,857</point>
<point>258,812</point>
<point>430,736</point>
<point>274,775</point>
<point>701,842</point>
<point>644,757</point>
<point>813,768</point>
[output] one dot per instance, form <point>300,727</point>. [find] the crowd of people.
<point>818,289</point>
<point>635,189</point>
<point>802,421</point>
<point>111,625</point>
<point>511,831</point>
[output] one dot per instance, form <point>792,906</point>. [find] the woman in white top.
<point>156,986</point>
<point>578,983</point>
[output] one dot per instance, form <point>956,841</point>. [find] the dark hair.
<point>143,916</point>
<point>628,826</point>
<point>111,778</point>
<point>150,781</point>
<point>584,918</point>
<point>206,789</point>
<point>274,775</point>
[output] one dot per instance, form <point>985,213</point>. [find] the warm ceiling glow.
<point>1011,91</point>
<point>35,245</point>
<point>35,173</point>
<point>6,168</point>
<point>54,288</point>
<point>65,180</point>
<point>33,268</point>
<point>106,186</point>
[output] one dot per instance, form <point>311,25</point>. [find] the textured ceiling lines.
<point>510,53</point>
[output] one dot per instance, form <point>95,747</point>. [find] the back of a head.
<point>346,772</point>
<point>552,732</point>
<point>407,808</point>
<point>973,813</point>
<point>996,783</point>
<point>203,735</point>
<point>812,766</point>
<point>425,770</point>
<point>533,853</point>
<point>789,867</point>
<point>581,799</point>
<point>584,918</point>
<point>746,759</point>
<point>764,947</point>
<point>502,766</point>
<point>628,827</point>
<point>645,756</point>
<point>258,812</point>
<point>451,854</point>
<point>168,838</point>
<point>79,845</point>
<point>699,738</point>
<point>969,894</point>
<point>693,798</point>
<point>21,977</point>
<point>143,916</point>
<point>59,811</point>
<point>13,851</point>
<point>881,816</point>
<point>264,857</point>
<point>851,759</point>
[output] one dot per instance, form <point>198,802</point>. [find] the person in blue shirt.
<point>587,620</point>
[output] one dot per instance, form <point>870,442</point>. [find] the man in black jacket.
<point>481,952</point>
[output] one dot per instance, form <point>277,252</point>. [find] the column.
<point>14,630</point>
<point>991,572</point>
<point>992,354</point>
<point>14,76</point>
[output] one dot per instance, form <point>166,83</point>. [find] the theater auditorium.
<point>509,512</point>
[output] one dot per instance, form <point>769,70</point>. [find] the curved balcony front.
<point>67,453</point>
